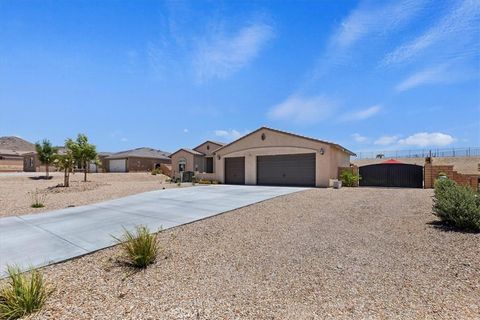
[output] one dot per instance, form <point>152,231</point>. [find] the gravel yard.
<point>353,253</point>
<point>16,190</point>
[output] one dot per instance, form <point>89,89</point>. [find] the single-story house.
<point>12,152</point>
<point>271,157</point>
<point>136,160</point>
<point>199,160</point>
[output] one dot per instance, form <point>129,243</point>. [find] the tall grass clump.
<point>22,294</point>
<point>457,205</point>
<point>140,248</point>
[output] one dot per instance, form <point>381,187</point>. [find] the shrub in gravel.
<point>38,199</point>
<point>140,248</point>
<point>22,294</point>
<point>457,205</point>
<point>349,179</point>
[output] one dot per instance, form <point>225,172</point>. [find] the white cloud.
<point>302,110</point>
<point>386,140</point>
<point>459,28</point>
<point>123,139</point>
<point>359,138</point>
<point>426,76</point>
<point>185,130</point>
<point>424,139</point>
<point>362,114</point>
<point>230,134</point>
<point>219,55</point>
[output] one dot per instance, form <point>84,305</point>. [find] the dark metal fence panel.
<point>392,175</point>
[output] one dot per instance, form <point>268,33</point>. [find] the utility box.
<point>337,184</point>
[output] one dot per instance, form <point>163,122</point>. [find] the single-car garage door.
<point>118,165</point>
<point>286,170</point>
<point>235,170</point>
<point>392,175</point>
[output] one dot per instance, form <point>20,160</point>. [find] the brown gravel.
<point>16,190</point>
<point>359,253</point>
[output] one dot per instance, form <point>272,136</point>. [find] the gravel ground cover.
<point>16,190</point>
<point>353,253</point>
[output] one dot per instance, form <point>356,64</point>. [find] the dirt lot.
<point>16,190</point>
<point>339,254</point>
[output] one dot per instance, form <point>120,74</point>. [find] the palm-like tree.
<point>46,153</point>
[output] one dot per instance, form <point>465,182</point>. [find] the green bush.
<point>140,248</point>
<point>457,205</point>
<point>156,171</point>
<point>349,179</point>
<point>22,294</point>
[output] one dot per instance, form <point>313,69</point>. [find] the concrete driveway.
<point>40,239</point>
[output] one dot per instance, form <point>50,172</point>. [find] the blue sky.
<point>369,75</point>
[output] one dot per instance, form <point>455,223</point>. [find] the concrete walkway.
<point>37,240</point>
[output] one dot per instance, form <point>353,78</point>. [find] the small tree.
<point>83,152</point>
<point>46,153</point>
<point>66,163</point>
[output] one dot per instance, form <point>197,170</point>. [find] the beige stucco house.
<point>269,157</point>
<point>199,160</point>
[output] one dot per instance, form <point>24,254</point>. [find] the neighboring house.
<point>12,151</point>
<point>269,157</point>
<point>199,160</point>
<point>140,159</point>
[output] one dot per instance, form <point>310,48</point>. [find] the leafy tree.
<point>46,153</point>
<point>66,163</point>
<point>83,152</point>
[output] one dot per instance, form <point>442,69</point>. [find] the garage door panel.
<point>118,165</point>
<point>286,170</point>
<point>235,170</point>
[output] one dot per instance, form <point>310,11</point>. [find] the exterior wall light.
<point>218,157</point>
<point>322,151</point>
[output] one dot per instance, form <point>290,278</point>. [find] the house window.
<point>209,165</point>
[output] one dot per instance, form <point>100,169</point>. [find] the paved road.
<point>40,239</point>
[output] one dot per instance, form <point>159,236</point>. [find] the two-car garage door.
<point>275,170</point>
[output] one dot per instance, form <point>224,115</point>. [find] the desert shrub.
<point>38,199</point>
<point>156,171</point>
<point>457,205</point>
<point>348,178</point>
<point>140,248</point>
<point>22,294</point>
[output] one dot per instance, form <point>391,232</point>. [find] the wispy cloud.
<point>374,19</point>
<point>359,138</point>
<point>386,140</point>
<point>440,74</point>
<point>368,21</point>
<point>425,139</point>
<point>220,55</point>
<point>424,77</point>
<point>362,114</point>
<point>302,110</point>
<point>230,134</point>
<point>185,130</point>
<point>459,27</point>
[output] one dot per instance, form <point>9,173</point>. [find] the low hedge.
<point>457,205</point>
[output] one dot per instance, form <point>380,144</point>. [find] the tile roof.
<point>141,153</point>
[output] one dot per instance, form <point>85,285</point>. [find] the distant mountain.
<point>16,144</point>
